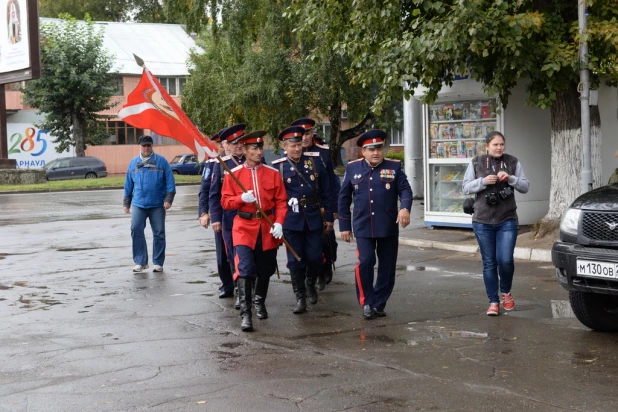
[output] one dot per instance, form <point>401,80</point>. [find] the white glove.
<point>277,231</point>
<point>248,197</point>
<point>294,203</point>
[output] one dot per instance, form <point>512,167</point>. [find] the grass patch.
<point>79,184</point>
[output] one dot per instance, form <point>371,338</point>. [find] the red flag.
<point>149,106</point>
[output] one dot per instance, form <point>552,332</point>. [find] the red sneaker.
<point>507,301</point>
<point>494,309</point>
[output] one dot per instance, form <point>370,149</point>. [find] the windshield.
<point>176,160</point>
<point>51,164</point>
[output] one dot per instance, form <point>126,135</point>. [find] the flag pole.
<point>140,63</point>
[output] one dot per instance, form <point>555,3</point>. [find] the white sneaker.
<point>157,268</point>
<point>139,268</point>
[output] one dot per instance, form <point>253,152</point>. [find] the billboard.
<point>19,40</point>
<point>31,147</point>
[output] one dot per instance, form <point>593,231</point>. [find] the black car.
<point>85,167</point>
<point>586,258</point>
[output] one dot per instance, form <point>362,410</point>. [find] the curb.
<point>84,189</point>
<point>522,253</point>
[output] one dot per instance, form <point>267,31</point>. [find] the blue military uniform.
<point>375,191</point>
<point>329,241</point>
<point>217,214</point>
<point>308,189</point>
<point>223,263</point>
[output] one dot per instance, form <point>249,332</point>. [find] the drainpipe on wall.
<point>413,144</point>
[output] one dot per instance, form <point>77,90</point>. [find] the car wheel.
<point>595,310</point>
<point>91,175</point>
<point>176,172</point>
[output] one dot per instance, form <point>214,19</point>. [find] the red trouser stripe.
<point>236,262</point>
<point>359,284</point>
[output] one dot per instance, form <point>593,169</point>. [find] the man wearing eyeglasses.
<point>149,190</point>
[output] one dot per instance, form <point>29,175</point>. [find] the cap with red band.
<point>233,133</point>
<point>292,134</point>
<point>306,123</point>
<point>372,138</point>
<point>254,138</point>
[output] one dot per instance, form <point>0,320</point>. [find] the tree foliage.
<point>143,11</point>
<point>496,42</point>
<point>75,83</point>
<point>256,70</point>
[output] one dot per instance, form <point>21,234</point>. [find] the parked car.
<point>586,257</point>
<point>85,167</point>
<point>186,164</point>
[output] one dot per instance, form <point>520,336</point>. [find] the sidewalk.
<point>463,240</point>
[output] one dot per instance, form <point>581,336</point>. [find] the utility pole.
<point>584,90</point>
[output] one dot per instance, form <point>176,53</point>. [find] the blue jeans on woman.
<point>156,215</point>
<point>497,244</point>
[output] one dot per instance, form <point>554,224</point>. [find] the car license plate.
<point>597,269</point>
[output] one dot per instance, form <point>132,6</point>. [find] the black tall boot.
<point>245,286</point>
<point>328,276</point>
<point>321,280</point>
<point>298,285</point>
<point>259,298</point>
<point>312,292</point>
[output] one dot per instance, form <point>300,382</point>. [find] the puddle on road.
<point>223,355</point>
<point>442,272</point>
<point>332,314</point>
<point>231,345</point>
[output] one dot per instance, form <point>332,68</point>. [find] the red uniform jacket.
<point>269,191</point>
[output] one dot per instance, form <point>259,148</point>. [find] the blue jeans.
<point>156,215</point>
<point>497,244</point>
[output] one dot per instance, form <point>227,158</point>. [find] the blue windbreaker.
<point>149,184</point>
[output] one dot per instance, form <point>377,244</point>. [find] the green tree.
<point>255,70</point>
<point>498,42</point>
<point>75,83</point>
<point>143,11</point>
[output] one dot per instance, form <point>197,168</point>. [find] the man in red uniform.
<point>255,242</point>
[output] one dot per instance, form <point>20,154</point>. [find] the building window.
<point>122,133</point>
<point>117,85</point>
<point>15,87</point>
<point>396,136</point>
<point>323,130</point>
<point>173,85</point>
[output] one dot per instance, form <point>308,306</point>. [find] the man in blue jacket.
<point>375,184</point>
<point>149,190</point>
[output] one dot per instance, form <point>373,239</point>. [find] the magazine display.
<point>458,129</point>
<point>446,184</point>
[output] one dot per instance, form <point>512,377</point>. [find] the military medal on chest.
<point>388,186</point>
<point>289,180</point>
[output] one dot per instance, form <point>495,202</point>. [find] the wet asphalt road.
<point>80,332</point>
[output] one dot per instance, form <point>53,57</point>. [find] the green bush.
<point>395,155</point>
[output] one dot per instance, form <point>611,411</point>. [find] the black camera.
<point>492,198</point>
<point>506,192</point>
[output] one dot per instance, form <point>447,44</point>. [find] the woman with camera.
<point>492,178</point>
